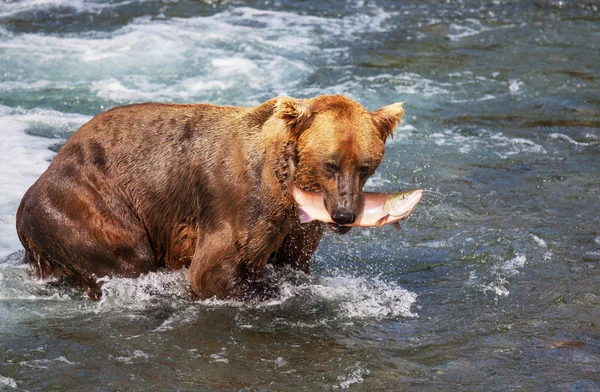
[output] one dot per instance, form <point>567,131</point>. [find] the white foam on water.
<point>11,8</point>
<point>46,363</point>
<point>220,356</point>
<point>140,88</point>
<point>353,298</point>
<point>502,145</point>
<point>137,354</point>
<point>514,85</point>
<point>498,282</point>
<point>349,88</point>
<point>176,320</point>
<point>569,139</point>
<point>465,83</point>
<point>12,85</point>
<point>202,54</point>
<point>361,298</point>
<point>7,381</point>
<point>486,97</point>
<point>469,28</point>
<point>138,293</point>
<point>511,267</point>
<point>515,146</point>
<point>465,149</point>
<point>541,243</point>
<point>355,375</point>
<point>350,297</point>
<point>16,286</point>
<point>346,26</point>
<point>449,137</point>
<point>11,295</point>
<point>592,136</point>
<point>410,83</point>
<point>23,159</point>
<point>188,59</point>
<point>232,65</point>
<point>16,7</point>
<point>497,287</point>
<point>436,244</point>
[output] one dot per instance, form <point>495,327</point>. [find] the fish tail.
<point>304,216</point>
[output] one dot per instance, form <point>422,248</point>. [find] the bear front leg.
<point>299,245</point>
<point>215,268</point>
<point>219,269</point>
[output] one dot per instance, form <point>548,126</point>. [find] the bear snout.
<point>343,216</point>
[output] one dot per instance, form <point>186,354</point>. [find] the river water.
<point>494,283</point>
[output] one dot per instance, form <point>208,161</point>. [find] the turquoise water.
<point>493,285</point>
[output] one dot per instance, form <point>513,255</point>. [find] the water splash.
<point>498,280</point>
<point>347,297</point>
<point>7,381</point>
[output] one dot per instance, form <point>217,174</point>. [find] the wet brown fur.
<point>145,186</point>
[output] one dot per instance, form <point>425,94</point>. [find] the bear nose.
<point>343,217</point>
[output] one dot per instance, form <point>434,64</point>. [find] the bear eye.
<point>331,167</point>
<point>364,171</point>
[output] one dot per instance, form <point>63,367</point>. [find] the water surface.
<point>495,282</point>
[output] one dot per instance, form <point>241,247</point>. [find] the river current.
<point>494,284</point>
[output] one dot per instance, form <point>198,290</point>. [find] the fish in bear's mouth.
<point>378,209</point>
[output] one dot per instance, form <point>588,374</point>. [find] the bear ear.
<point>386,118</point>
<point>294,113</point>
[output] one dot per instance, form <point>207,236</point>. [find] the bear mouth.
<point>334,227</point>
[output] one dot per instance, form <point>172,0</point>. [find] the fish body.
<point>379,208</point>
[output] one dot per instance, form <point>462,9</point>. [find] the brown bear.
<point>146,186</point>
